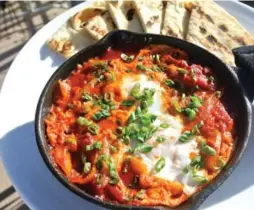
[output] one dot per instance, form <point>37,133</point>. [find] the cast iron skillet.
<point>236,98</point>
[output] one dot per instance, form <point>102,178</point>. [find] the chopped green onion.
<point>86,97</point>
<point>101,115</point>
<point>197,161</point>
<point>98,179</point>
<point>156,69</point>
<point>108,97</point>
<point>185,136</point>
<point>128,70</point>
<point>160,164</point>
<point>128,102</point>
<point>177,106</point>
<point>218,94</point>
<point>183,96</point>
<point>199,178</point>
<point>136,92</point>
<point>207,150</point>
<point>95,145</point>
<point>143,148</point>
<point>164,125</point>
<point>87,167</point>
<point>211,78</point>
<point>156,58</point>
<point>91,126</point>
<point>113,173</point>
<point>182,71</point>
<point>196,102</point>
<point>140,195</point>
<point>127,58</point>
<point>160,139</point>
<point>141,67</point>
<point>221,164</point>
<point>169,83</point>
<point>113,148</point>
<point>190,113</point>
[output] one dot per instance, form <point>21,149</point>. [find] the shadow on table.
<point>56,59</point>
<point>19,151</point>
<point>29,174</point>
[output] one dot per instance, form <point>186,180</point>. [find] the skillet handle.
<point>244,60</point>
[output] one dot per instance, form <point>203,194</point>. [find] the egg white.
<point>176,154</point>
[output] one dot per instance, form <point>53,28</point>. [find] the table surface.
<point>6,189</point>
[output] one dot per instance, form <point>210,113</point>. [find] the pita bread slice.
<point>214,29</point>
<point>150,14</point>
<point>124,15</point>
<point>80,18</point>
<point>68,42</point>
<point>100,25</point>
<point>176,19</point>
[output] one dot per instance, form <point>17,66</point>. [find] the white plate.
<point>25,167</point>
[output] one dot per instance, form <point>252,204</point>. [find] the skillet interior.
<point>236,101</point>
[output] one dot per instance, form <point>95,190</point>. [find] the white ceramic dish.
<point>18,150</point>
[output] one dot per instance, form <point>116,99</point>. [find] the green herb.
<point>199,178</point>
<point>91,126</point>
<point>95,145</point>
<point>164,125</point>
<point>108,97</point>
<point>177,106</point>
<point>86,97</point>
<point>160,139</point>
<point>186,170</point>
<point>128,70</point>
<point>143,148</point>
<point>207,150</point>
<point>101,115</point>
<point>169,83</point>
<point>140,195</point>
<point>160,164</point>
<point>98,179</point>
<point>136,91</point>
<point>156,58</point>
<point>128,102</point>
<point>218,94</point>
<point>141,67</point>
<point>101,65</point>
<point>211,79</point>
<point>102,158</point>
<point>220,164</point>
<point>183,96</point>
<point>156,69</point>
<point>127,58</point>
<point>147,119</point>
<point>113,173</point>
<point>182,71</point>
<point>191,113</point>
<point>113,148</point>
<point>185,136</point>
<point>87,167</point>
<point>197,162</point>
<point>196,102</point>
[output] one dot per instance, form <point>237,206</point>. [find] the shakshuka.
<point>143,127</point>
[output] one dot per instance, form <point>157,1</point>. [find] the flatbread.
<point>212,28</point>
<point>150,14</point>
<point>100,25</point>
<point>125,15</point>
<point>68,42</point>
<point>176,19</point>
<point>80,18</point>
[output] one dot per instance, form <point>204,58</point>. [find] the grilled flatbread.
<point>68,42</point>
<point>150,14</point>
<point>214,29</point>
<point>176,19</point>
<point>125,15</point>
<point>100,25</point>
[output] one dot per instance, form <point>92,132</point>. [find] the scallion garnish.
<point>160,164</point>
<point>160,139</point>
<point>141,67</point>
<point>87,167</point>
<point>128,103</point>
<point>164,125</point>
<point>91,126</point>
<point>127,58</point>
